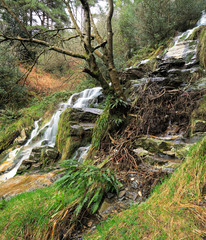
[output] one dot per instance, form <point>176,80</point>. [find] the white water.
<point>187,34</point>
<point>46,135</point>
<point>81,153</point>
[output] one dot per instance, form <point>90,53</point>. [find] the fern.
<point>87,183</point>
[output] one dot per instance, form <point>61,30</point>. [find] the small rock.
<point>141,152</point>
<point>134,185</point>
<point>122,193</point>
<point>110,195</point>
<point>199,126</point>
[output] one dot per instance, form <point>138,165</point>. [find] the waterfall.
<point>46,135</point>
<point>187,34</point>
<point>184,48</point>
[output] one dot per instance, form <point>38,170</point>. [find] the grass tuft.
<point>175,210</point>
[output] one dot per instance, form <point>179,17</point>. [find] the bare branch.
<point>45,44</point>
<point>52,30</point>
<point>25,76</point>
<point>74,20</point>
<point>69,38</point>
<point>96,32</point>
<point>100,45</point>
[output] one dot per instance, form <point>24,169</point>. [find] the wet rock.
<point>153,145</point>
<point>199,84</point>
<point>122,193</point>
<point>75,130</point>
<point>141,152</point>
<point>83,115</point>
<point>26,183</point>
<point>172,62</point>
<point>181,152</point>
<point>199,126</point>
<point>106,208</point>
<point>134,185</point>
<point>45,142</point>
<point>51,153</point>
<point>132,73</point>
<point>21,139</point>
<point>183,50</point>
<point>39,157</point>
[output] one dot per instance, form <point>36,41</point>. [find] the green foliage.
<point>8,116</point>
<point>202,48</point>
<point>29,214</point>
<point>173,210</point>
<point>88,184</point>
<point>11,93</point>
<point>148,23</point>
<point>48,14</point>
<point>116,103</point>
<point>101,126</point>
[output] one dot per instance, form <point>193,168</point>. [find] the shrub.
<point>11,93</point>
<point>87,184</point>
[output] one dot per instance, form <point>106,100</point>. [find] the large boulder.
<point>75,129</point>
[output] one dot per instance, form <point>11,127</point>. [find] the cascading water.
<point>187,34</point>
<point>46,135</point>
<point>184,48</point>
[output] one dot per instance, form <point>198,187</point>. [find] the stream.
<point>45,136</point>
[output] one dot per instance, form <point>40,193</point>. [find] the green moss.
<point>69,138</point>
<point>101,128</point>
<point>202,48</point>
<point>200,112</point>
<point>8,137</point>
<point>196,33</point>
<point>45,108</point>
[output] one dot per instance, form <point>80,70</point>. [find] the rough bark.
<point>114,76</point>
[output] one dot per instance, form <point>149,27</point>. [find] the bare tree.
<point>93,47</point>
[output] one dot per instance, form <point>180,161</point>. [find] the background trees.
<point>93,46</point>
<point>149,23</point>
<point>34,27</point>
<point>11,93</point>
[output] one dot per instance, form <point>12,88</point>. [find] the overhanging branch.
<point>43,43</point>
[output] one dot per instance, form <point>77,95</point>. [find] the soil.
<point>43,82</point>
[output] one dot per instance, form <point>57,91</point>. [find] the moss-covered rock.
<point>200,33</point>
<point>8,138</point>
<point>74,130</point>
<point>39,158</point>
<point>153,145</point>
<point>202,48</point>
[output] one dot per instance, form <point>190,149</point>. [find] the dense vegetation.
<point>142,29</point>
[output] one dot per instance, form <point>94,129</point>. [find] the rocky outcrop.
<point>75,129</point>
<point>40,157</point>
<point>21,139</point>
<point>26,183</point>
